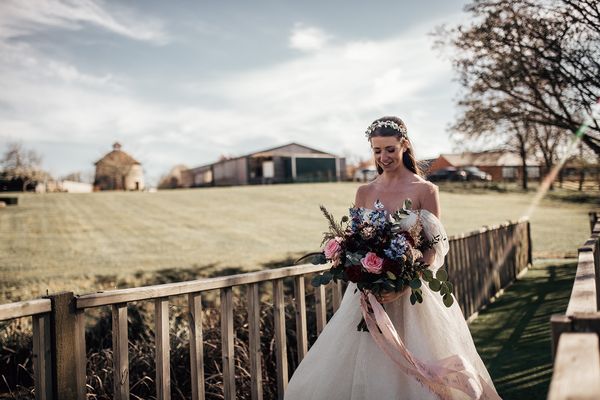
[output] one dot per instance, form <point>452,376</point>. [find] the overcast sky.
<point>184,82</point>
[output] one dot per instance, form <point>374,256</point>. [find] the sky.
<point>184,82</point>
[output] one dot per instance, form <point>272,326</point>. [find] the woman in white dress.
<point>347,364</point>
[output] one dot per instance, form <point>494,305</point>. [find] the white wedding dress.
<point>346,364</point>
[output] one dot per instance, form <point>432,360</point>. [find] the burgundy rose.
<point>354,273</point>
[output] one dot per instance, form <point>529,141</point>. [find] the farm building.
<point>501,165</point>
<point>117,170</point>
<point>283,164</point>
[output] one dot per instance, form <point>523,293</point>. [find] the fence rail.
<point>480,264</point>
<point>575,344</point>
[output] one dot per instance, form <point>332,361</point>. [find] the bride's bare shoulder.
<point>426,187</point>
<point>428,196</point>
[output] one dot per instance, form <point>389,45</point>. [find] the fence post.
<point>593,219</point>
<point>63,325</point>
<point>529,248</point>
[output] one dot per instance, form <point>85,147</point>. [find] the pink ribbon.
<point>451,372</point>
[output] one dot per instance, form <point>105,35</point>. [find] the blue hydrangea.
<point>356,218</point>
<point>377,218</point>
<point>398,247</point>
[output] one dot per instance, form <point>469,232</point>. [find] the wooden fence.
<point>480,264</point>
<point>575,344</point>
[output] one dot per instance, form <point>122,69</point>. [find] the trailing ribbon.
<point>451,372</point>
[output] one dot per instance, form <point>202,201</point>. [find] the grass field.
<point>88,242</point>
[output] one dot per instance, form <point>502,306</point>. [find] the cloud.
<point>324,99</point>
<point>25,17</point>
<point>307,38</point>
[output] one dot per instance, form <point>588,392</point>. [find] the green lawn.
<point>85,242</point>
<point>513,334</point>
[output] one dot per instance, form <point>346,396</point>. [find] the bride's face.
<point>388,152</point>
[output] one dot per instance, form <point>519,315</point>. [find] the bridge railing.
<point>480,264</point>
<point>575,344</point>
<point>39,311</point>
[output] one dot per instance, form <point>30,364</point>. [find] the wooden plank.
<point>227,343</point>
<point>576,372</point>
<point>196,346</point>
<point>24,308</point>
<point>120,343</point>
<point>321,308</point>
<point>559,324</point>
<point>583,296</point>
<point>280,339</point>
<point>42,365</point>
<point>163,372</point>
<point>301,330</point>
<point>179,288</point>
<point>80,354</point>
<point>254,341</point>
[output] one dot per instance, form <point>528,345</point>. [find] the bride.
<point>346,364</point>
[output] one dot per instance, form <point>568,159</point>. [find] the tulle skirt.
<point>346,364</point>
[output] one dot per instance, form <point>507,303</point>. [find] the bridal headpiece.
<point>399,127</point>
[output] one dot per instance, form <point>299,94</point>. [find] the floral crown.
<point>399,127</point>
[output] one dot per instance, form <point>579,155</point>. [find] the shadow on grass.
<point>171,275</point>
<point>513,334</point>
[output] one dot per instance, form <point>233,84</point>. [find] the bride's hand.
<point>388,297</point>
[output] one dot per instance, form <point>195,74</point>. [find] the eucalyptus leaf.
<point>450,287</point>
<point>442,275</point>
<point>448,300</point>
<point>419,297</point>
<point>345,218</point>
<point>415,283</point>
<point>326,278</point>
<point>391,275</point>
<point>316,281</point>
<point>435,285</point>
<point>427,275</point>
<point>444,289</point>
<point>413,299</point>
<point>313,258</point>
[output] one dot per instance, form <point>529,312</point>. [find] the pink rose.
<point>332,248</point>
<point>372,263</point>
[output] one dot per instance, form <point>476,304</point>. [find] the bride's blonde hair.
<point>394,126</point>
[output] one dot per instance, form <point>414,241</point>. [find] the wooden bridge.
<point>480,263</point>
<point>575,343</point>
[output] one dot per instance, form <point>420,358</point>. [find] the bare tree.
<point>22,164</point>
<point>497,124</point>
<point>533,61</point>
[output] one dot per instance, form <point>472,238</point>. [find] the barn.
<point>118,170</point>
<point>289,163</point>
<point>501,165</point>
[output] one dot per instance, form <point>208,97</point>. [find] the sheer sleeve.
<point>434,232</point>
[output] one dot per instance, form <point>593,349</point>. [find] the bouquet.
<point>372,249</point>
